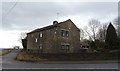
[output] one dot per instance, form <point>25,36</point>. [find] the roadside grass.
<point>5,51</point>
<point>24,56</point>
<point>33,57</point>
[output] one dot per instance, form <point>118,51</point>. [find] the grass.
<point>5,51</point>
<point>25,56</point>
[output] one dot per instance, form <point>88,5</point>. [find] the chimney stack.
<point>55,22</point>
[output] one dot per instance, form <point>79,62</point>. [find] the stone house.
<point>63,37</point>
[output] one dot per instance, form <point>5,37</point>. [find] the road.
<point>8,62</point>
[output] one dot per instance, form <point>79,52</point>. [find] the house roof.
<point>42,29</point>
<point>49,27</point>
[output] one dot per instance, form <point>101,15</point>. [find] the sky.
<point>23,17</point>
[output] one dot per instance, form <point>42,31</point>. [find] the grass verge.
<point>5,51</point>
<point>24,56</point>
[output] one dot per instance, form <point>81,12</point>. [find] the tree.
<point>87,32</point>
<point>94,25</point>
<point>92,45</point>
<point>82,34</point>
<point>111,37</point>
<point>24,43</point>
<point>23,40</point>
<point>22,36</point>
<point>101,34</point>
<point>91,31</point>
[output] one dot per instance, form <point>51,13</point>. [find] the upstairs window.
<point>64,33</point>
<point>67,33</point>
<point>36,40</point>
<point>40,35</point>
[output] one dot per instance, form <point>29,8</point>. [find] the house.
<point>63,37</point>
<point>84,46</point>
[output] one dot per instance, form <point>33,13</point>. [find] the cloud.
<point>30,15</point>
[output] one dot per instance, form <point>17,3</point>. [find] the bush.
<point>24,43</point>
<point>92,45</point>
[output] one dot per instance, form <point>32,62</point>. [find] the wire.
<point>10,10</point>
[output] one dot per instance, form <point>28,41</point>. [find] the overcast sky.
<point>26,16</point>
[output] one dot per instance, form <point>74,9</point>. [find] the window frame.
<point>36,40</point>
<point>65,47</point>
<point>64,33</point>
<point>40,34</point>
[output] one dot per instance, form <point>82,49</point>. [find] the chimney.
<point>55,22</point>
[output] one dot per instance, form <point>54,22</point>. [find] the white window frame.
<point>40,35</point>
<point>36,40</point>
<point>64,33</point>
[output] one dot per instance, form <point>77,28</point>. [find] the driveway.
<point>8,62</point>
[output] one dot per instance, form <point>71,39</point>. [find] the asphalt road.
<point>8,62</point>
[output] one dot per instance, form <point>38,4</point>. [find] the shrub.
<point>24,43</point>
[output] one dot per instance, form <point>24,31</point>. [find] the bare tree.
<point>87,33</point>
<point>82,34</point>
<point>93,26</point>
<point>101,34</point>
<point>22,36</point>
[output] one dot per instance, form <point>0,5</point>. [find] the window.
<point>64,33</point>
<point>62,47</point>
<point>36,40</point>
<point>40,35</point>
<point>40,48</point>
<point>67,33</point>
<point>55,32</point>
<point>65,48</point>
